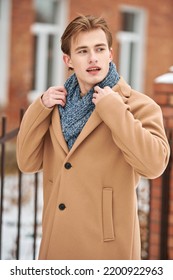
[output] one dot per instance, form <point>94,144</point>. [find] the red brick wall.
<point>159,43</point>
<point>21,57</point>
<point>163,94</point>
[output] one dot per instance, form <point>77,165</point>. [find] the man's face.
<point>90,57</point>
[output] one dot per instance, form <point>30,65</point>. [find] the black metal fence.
<point>4,139</point>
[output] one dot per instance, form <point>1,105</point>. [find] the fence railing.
<point>4,138</point>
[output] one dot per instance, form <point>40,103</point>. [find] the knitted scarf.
<point>77,110</point>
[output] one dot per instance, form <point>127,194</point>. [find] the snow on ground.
<point>10,217</point>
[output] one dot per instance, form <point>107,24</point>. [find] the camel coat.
<point>90,205</point>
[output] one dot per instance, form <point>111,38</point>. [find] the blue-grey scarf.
<point>77,110</point>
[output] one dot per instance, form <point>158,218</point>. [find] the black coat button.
<point>68,165</point>
<point>62,206</point>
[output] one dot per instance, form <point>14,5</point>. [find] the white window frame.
<point>43,31</point>
<point>138,38</point>
<point>5,25</point>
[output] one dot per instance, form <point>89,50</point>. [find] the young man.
<point>93,138</point>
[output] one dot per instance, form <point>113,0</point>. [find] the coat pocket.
<point>107,204</point>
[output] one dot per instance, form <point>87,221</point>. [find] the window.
<point>5,16</point>
<point>46,11</point>
<point>131,41</point>
<point>48,28</point>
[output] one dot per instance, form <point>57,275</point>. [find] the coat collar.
<point>121,87</point>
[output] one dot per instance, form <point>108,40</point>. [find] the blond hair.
<point>82,24</point>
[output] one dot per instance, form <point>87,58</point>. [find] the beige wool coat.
<point>90,205</point>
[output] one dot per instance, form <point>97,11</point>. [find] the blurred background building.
<point>30,55</point>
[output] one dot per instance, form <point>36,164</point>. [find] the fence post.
<point>35,215</point>
<point>2,180</point>
<point>19,203</point>
<point>161,206</point>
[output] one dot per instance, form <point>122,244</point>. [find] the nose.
<point>92,57</point>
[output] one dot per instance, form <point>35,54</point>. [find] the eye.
<point>100,49</point>
<point>82,51</point>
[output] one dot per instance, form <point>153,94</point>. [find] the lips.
<point>93,69</point>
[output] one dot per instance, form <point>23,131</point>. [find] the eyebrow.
<point>85,47</point>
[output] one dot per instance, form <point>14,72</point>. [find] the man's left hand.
<point>99,93</point>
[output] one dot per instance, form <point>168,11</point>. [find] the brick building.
<point>30,53</point>
<point>161,196</point>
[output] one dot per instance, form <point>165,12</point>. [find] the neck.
<point>83,94</point>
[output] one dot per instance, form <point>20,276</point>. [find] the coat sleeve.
<point>138,131</point>
<point>30,139</point>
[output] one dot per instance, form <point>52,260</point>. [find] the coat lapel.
<point>56,125</point>
<point>123,89</point>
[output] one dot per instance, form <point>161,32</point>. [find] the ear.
<point>67,61</point>
<point>111,54</point>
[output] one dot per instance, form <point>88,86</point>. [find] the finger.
<point>58,102</point>
<point>60,89</point>
<point>95,94</point>
<point>97,88</point>
<point>54,95</point>
<point>94,100</point>
<point>55,99</point>
<point>108,89</point>
<point>57,95</point>
<point>61,102</point>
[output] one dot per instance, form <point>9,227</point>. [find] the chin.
<point>97,80</point>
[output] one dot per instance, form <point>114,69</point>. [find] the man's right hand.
<point>54,96</point>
